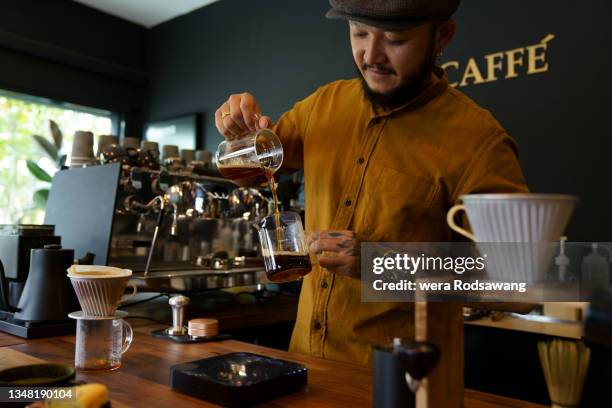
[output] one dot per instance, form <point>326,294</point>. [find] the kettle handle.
<point>4,303</point>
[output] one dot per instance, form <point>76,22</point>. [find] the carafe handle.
<point>128,334</point>
<point>131,295</point>
<point>450,219</point>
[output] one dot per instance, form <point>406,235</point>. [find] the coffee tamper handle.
<point>178,304</point>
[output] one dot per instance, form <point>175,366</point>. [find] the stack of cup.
<point>171,158</point>
<point>82,153</point>
<point>148,155</point>
<point>104,141</point>
<point>99,290</point>
<point>131,142</point>
<point>205,157</point>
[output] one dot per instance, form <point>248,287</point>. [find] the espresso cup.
<point>187,155</point>
<point>204,157</point>
<point>131,142</point>
<point>105,140</point>
<point>170,152</point>
<point>149,145</point>
<point>82,149</point>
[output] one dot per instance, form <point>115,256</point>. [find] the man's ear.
<point>444,34</point>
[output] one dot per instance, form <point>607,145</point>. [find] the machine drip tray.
<point>32,330</point>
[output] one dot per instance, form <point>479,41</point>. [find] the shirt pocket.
<point>395,204</point>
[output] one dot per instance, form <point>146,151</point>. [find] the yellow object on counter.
<point>87,396</point>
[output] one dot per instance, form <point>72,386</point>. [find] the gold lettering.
<point>514,58</point>
<point>494,63</point>
<point>512,63</point>
<point>472,71</point>
<point>537,53</point>
<point>451,64</point>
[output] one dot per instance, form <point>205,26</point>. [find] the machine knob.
<point>178,303</point>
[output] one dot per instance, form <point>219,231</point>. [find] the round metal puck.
<point>203,327</point>
<point>203,324</point>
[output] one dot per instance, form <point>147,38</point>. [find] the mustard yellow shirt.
<point>388,176</point>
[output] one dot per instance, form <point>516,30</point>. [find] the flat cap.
<point>392,14</point>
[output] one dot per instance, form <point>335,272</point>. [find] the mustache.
<point>386,70</point>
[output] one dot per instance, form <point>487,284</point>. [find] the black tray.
<point>238,379</point>
<point>185,338</point>
<point>33,330</point>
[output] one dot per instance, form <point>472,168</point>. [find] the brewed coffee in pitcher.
<point>251,157</point>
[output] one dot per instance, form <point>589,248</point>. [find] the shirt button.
<point>324,284</point>
<point>348,203</point>
<point>317,326</point>
<point>360,160</point>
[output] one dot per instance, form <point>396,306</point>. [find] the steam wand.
<point>160,218</point>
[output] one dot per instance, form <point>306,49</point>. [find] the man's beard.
<point>404,93</point>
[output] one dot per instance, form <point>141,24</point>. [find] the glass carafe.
<point>101,341</point>
<point>283,247</point>
<point>250,157</point>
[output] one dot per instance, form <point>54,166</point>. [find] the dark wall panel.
<point>65,51</point>
<point>558,117</point>
<point>71,25</point>
<point>281,51</point>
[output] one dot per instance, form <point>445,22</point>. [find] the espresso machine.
<point>173,220</point>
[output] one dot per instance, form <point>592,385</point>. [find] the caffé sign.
<point>501,65</point>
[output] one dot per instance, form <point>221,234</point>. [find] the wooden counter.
<point>144,378</point>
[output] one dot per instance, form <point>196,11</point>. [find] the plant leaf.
<point>38,172</point>
<point>40,197</point>
<point>47,146</point>
<point>56,133</point>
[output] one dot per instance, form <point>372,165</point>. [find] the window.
<point>21,117</point>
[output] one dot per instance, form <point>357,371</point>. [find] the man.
<point>384,157</point>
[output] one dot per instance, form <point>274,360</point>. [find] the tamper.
<point>200,330</point>
<point>178,304</point>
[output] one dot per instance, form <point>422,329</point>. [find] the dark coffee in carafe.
<point>285,266</point>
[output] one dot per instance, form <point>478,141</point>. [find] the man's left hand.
<point>337,251</point>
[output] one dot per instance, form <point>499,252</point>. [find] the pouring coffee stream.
<point>256,158</point>
<point>253,160</point>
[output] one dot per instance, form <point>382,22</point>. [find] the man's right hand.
<point>239,116</point>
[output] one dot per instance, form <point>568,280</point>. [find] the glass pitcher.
<point>101,341</point>
<point>283,247</point>
<point>250,157</point>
